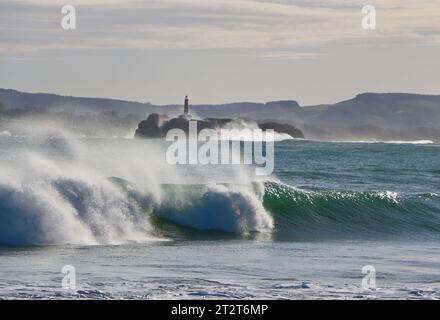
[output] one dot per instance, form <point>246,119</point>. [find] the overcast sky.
<point>312,51</point>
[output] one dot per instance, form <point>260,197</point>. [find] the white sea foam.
<point>58,191</point>
<point>234,209</point>
<point>386,141</point>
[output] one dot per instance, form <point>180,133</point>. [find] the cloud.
<point>290,55</point>
<point>283,25</point>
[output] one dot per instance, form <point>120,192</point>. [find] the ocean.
<point>132,227</point>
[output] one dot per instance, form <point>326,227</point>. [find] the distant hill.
<point>13,99</point>
<point>370,115</point>
<point>246,109</point>
<point>388,110</point>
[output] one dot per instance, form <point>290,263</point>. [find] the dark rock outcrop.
<point>152,127</point>
<point>157,126</point>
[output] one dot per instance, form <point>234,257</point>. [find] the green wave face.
<point>118,211</point>
<point>301,214</point>
<point>195,211</point>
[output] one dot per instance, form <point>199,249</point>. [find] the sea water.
<point>133,227</point>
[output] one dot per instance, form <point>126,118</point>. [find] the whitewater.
<point>136,227</point>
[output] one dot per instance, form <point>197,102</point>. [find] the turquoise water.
<point>135,228</point>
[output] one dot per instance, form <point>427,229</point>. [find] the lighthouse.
<point>186,107</point>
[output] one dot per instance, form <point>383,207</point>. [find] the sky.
<point>217,51</point>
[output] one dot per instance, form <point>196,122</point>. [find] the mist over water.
<point>218,230</point>
<point>93,191</point>
<point>105,191</point>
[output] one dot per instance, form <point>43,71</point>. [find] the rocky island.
<point>157,125</point>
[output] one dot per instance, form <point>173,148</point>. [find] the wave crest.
<point>309,214</point>
<point>69,211</point>
<point>233,209</point>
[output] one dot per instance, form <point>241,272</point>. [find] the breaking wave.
<point>114,211</point>
<point>63,192</point>
<point>318,214</point>
<point>76,211</point>
<point>58,192</point>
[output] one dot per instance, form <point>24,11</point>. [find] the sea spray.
<point>69,210</point>
<point>57,191</point>
<point>89,191</point>
<point>229,208</point>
